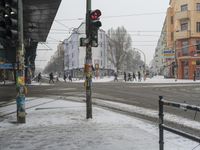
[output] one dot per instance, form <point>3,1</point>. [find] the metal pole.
<point>20,78</point>
<point>161,131</point>
<point>176,63</point>
<point>88,65</point>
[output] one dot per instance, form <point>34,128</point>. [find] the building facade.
<point>159,64</point>
<point>74,54</point>
<point>183,35</point>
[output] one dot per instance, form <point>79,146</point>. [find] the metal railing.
<point>163,127</point>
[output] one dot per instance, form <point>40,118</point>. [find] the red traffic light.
<point>95,14</point>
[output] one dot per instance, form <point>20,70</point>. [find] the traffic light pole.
<point>88,65</point>
<point>20,78</point>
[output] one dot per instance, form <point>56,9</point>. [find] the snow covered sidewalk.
<point>61,125</point>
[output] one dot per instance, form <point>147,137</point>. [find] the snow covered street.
<point>58,124</point>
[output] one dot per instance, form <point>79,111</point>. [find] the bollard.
<point>161,138</point>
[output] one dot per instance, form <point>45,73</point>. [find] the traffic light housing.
<point>2,24</point>
<point>11,17</point>
<point>94,25</point>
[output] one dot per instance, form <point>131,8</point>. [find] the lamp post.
<point>136,49</point>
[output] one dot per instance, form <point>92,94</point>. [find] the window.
<point>198,46</point>
<point>185,48</point>
<point>198,26</point>
<point>198,6</point>
<point>172,19</point>
<point>184,26</point>
<point>198,62</point>
<point>184,7</point>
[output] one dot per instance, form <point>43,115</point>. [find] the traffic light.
<point>11,18</point>
<point>94,25</point>
<point>2,24</point>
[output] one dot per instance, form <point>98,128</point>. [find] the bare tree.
<point>119,43</point>
<point>133,61</point>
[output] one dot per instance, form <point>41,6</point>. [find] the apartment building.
<point>74,54</point>
<point>183,35</point>
<point>159,64</point>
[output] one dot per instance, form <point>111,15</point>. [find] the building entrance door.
<point>185,67</point>
<point>185,72</point>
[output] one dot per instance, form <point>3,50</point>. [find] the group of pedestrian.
<point>52,77</point>
<point>69,77</point>
<point>132,77</point>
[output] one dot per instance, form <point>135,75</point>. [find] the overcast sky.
<point>143,19</point>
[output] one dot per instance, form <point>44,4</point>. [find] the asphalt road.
<point>143,95</point>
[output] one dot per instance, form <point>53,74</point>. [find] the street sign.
<point>169,54</point>
<point>6,66</point>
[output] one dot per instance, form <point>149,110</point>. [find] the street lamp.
<point>136,49</point>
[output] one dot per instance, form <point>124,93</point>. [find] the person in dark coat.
<point>125,76</point>
<point>139,76</point>
<point>194,76</point>
<point>70,78</point>
<point>65,77</point>
<point>51,77</point>
<point>39,77</point>
<point>129,76</point>
<point>115,75</point>
<point>134,77</point>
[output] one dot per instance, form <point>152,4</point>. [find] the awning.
<point>38,18</point>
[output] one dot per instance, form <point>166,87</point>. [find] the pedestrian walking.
<point>125,76</point>
<point>115,77</point>
<point>51,77</point>
<point>129,76</point>
<point>65,77</point>
<point>194,76</point>
<point>39,77</point>
<point>139,76</point>
<point>70,78</point>
<point>134,77</point>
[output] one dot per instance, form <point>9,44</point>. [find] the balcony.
<point>182,15</point>
<point>182,34</point>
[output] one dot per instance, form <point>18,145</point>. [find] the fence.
<point>163,127</point>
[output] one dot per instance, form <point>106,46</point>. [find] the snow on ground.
<point>155,79</point>
<point>58,124</point>
<point>161,79</point>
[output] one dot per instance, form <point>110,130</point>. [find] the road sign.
<point>169,54</point>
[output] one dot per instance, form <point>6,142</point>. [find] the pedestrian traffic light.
<point>11,18</point>
<point>94,25</point>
